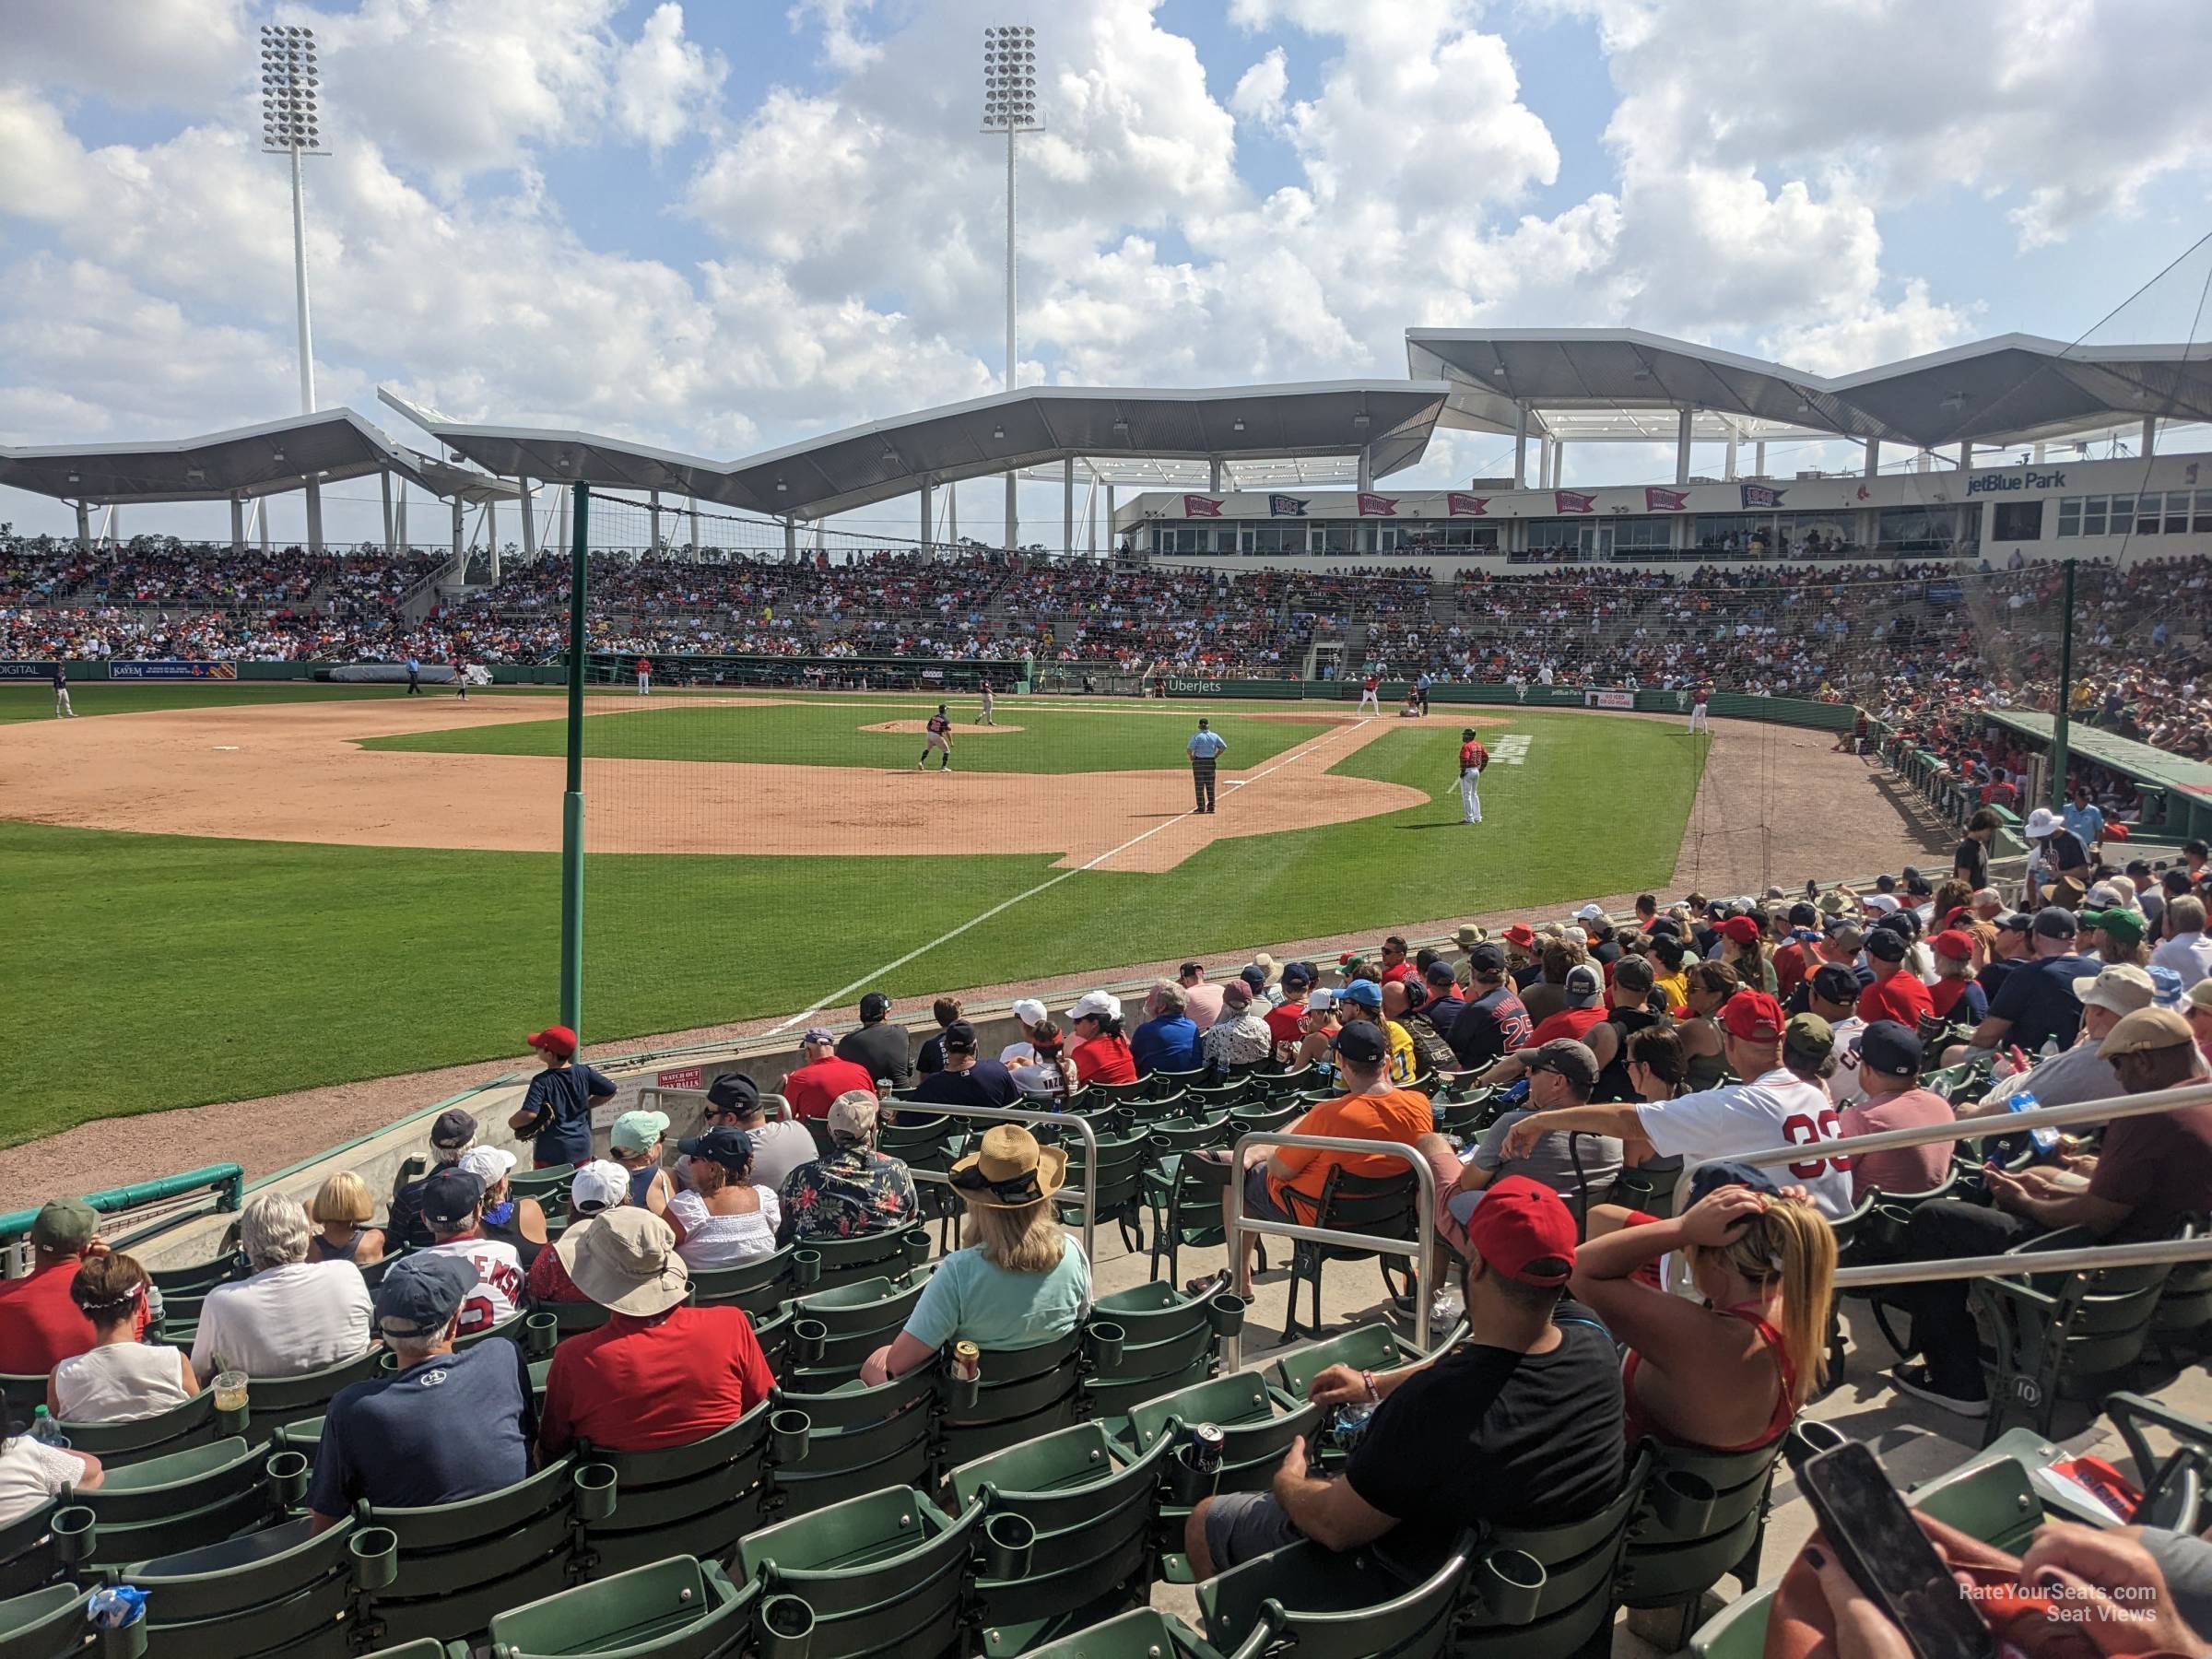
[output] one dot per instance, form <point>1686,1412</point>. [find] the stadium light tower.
<point>1010,106</point>
<point>288,108</point>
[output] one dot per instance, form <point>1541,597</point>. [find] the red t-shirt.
<point>40,1326</point>
<point>1286,1024</point>
<point>1567,1022</point>
<point>1471,753</point>
<point>634,1385</point>
<point>1103,1059</point>
<point>812,1087</point>
<point>1789,967</point>
<point>1901,997</point>
<point>1398,973</point>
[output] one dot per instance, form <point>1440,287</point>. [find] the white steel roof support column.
<point>1520,445</point>
<point>402,512</point>
<point>568,496</point>
<point>1110,543</point>
<point>1730,473</point>
<point>952,513</point>
<point>383,481</point>
<point>1758,459</point>
<point>314,514</point>
<point>1682,447</point>
<point>527,502</point>
<point>653,514</point>
<point>928,512</point>
<point>238,524</point>
<point>84,529</point>
<point>491,535</point>
<point>1874,456</point>
<point>791,538</point>
<point>1367,469</point>
<point>2150,436</point>
<point>696,543</point>
<point>1067,505</point>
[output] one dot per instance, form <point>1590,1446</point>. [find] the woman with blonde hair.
<point>119,1379</point>
<point>1021,1277</point>
<point>341,1210</point>
<point>1727,1374</point>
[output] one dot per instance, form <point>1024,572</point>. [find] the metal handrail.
<point>1013,1114</point>
<point>1235,1223</point>
<point>1985,1128</point>
<point>774,1106</point>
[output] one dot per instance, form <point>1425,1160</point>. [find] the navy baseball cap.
<point>1834,982</point>
<point>453,1131</point>
<point>1254,975</point>
<point>420,1293</point>
<point>1804,915</point>
<point>731,1148</point>
<point>1362,1042</point>
<point>733,1091</point>
<point>1892,1048</point>
<point>450,1196</point>
<point>1298,974</point>
<point>1710,1178</point>
<point>2055,922</point>
<point>1486,958</point>
<point>959,1035</point>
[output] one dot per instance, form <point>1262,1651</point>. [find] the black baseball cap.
<point>1488,956</point>
<point>1191,968</point>
<point>1633,974</point>
<point>1833,982</point>
<point>1886,944</point>
<point>454,1128</point>
<point>731,1148</point>
<point>1362,1042</point>
<point>2055,922</point>
<point>421,1291</point>
<point>450,1196</point>
<point>959,1035</point>
<point>1438,975</point>
<point>733,1091</point>
<point>1892,1048</point>
<point>2016,922</point>
<point>875,1006</point>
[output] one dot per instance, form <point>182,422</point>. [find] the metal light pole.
<point>288,108</point>
<point>1010,106</point>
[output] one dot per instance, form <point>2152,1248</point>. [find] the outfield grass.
<point>830,733</point>
<point>34,701</point>
<point>153,972</point>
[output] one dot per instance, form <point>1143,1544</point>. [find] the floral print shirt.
<point>852,1191</point>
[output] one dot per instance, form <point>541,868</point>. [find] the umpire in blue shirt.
<point>1205,747</point>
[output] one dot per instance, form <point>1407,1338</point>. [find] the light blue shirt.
<point>2087,822</point>
<point>1204,746</point>
<point>976,1300</point>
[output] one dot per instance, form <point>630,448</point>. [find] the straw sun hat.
<point>1010,1170</point>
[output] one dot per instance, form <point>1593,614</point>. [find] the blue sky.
<point>724,226</point>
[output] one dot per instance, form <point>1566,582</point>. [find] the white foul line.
<point>1007,904</point>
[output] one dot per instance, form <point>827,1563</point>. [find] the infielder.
<point>939,739</point>
<point>1204,748</point>
<point>1697,721</point>
<point>1473,758</point>
<point>988,705</point>
<point>644,676</point>
<point>460,679</point>
<point>1368,699</point>
<point>62,711</point>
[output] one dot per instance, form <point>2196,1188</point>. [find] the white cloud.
<point>663,81</point>
<point>1871,333</point>
<point>1260,89</point>
<point>843,46</point>
<point>182,55</point>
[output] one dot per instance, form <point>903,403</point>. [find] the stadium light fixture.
<point>290,116</point>
<point>1010,107</point>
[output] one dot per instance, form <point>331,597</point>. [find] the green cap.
<point>1810,1035</point>
<point>65,1225</point>
<point>2122,924</point>
<point>636,1130</point>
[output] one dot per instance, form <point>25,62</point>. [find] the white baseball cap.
<point>1029,1011</point>
<point>487,1164</point>
<point>601,1184</point>
<point>1096,1005</point>
<point>1591,913</point>
<point>2041,822</point>
<point>1319,1000</point>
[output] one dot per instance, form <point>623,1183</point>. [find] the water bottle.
<point>1351,1421</point>
<point>2045,1139</point>
<point>46,1431</point>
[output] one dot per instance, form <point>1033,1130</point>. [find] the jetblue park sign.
<point>1999,483</point>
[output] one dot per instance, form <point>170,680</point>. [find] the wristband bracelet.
<point>1373,1392</point>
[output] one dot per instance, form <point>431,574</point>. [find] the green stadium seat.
<point>1113,1094</point>
<point>1120,1193</point>
<point>1278,1086</point>
<point>461,1563</point>
<point>272,1402</point>
<point>1363,1347</point>
<point>43,1624</point>
<point>1699,1516</point>
<point>1027,1391</point>
<point>886,1573</point>
<point>569,1317</point>
<point>549,1187</point>
<point>1384,1207</point>
<point>1214,1099</point>
<point>20,1393</point>
<point>1171,1135</point>
<point>1141,1114</point>
<point>1186,1214</point>
<point>674,1608</point>
<point>861,1439</point>
<point>284,1589</point>
<point>1165,1083</point>
<point>929,1142</point>
<point>1572,1611</point>
<point>760,1285</point>
<point>1091,1502</point>
<point>1167,1344</point>
<point>179,1429</point>
<point>697,1499</point>
<point>1141,1633</point>
<point>179,1500</point>
<point>1329,1606</point>
<point>2180,1327</point>
<point>859,1316</point>
<point>1255,1437</point>
<point>1651,1190</point>
<point>870,1255</point>
<point>2067,1336</point>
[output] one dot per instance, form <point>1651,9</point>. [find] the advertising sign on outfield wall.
<point>1608,700</point>
<point>26,671</point>
<point>173,669</point>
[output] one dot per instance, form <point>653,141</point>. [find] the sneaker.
<point>1914,1379</point>
<point>1444,1308</point>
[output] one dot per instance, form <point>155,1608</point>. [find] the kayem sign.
<point>2004,482</point>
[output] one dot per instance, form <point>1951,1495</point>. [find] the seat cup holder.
<point>1510,1582</point>
<point>960,1393</point>
<point>788,1432</point>
<point>1682,1502</point>
<point>1225,1312</point>
<point>809,1340</point>
<point>76,1532</point>
<point>594,1486</point>
<point>1007,1541</point>
<point>913,1244</point>
<point>287,1475</point>
<point>375,1552</point>
<point>1106,1340</point>
<point>541,1332</point>
<point>805,1267</point>
<point>1188,1483</point>
<point>786,1627</point>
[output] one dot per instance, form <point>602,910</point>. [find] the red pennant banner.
<point>1457,505</point>
<point>1201,507</point>
<point>1375,506</point>
<point>1572,500</point>
<point>1665,500</point>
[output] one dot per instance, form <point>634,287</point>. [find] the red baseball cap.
<point>1752,1017</point>
<point>1522,1230</point>
<point>1742,929</point>
<point>1520,933</point>
<point>559,1039</point>
<point>1952,943</point>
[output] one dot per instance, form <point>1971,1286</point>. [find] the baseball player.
<point>1473,758</point>
<point>1697,721</point>
<point>644,676</point>
<point>62,711</point>
<point>1204,748</point>
<point>939,739</point>
<point>460,679</point>
<point>1368,699</point>
<point>988,705</point>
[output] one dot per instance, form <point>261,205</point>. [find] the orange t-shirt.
<point>1398,1115</point>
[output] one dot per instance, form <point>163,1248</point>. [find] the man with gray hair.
<point>292,1315</point>
<point>431,1433</point>
<point>1168,1041</point>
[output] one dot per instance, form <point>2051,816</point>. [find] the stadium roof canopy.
<point>1265,472</point>
<point>245,461</point>
<point>1389,422</point>
<point>1598,384</point>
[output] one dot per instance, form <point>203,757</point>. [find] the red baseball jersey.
<point>1471,753</point>
<point>939,725</point>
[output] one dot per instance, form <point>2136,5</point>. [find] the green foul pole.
<point>571,804</point>
<point>2062,720</point>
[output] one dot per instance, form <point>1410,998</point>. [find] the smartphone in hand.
<point>1879,1544</point>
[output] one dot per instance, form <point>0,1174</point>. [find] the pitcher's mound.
<point>915,728</point>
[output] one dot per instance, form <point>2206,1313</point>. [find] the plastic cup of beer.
<point>230,1391</point>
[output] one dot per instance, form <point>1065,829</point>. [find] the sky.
<point>724,225</point>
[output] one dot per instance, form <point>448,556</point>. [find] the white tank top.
<point>119,1383</point>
